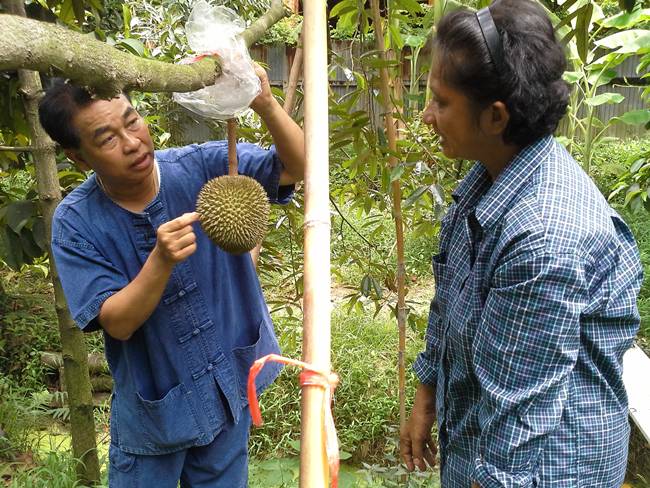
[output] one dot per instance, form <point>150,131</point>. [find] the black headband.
<point>491,36</point>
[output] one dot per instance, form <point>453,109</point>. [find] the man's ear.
<point>495,118</point>
<point>77,158</point>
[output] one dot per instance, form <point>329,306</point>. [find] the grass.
<point>640,225</point>
<point>364,352</point>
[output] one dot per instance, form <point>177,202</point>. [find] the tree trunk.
<point>391,132</point>
<point>29,44</point>
<point>75,356</point>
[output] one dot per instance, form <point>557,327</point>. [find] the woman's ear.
<point>495,118</point>
<point>77,158</point>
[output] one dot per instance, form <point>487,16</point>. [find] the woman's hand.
<point>416,443</point>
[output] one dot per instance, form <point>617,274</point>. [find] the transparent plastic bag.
<point>216,30</point>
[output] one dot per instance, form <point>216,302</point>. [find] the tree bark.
<point>391,132</point>
<point>48,48</point>
<point>75,357</point>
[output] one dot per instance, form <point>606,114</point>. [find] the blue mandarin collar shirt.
<point>182,375</point>
<point>535,305</point>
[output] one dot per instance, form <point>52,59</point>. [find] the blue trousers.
<point>221,464</point>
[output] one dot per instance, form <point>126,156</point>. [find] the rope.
<point>310,376</point>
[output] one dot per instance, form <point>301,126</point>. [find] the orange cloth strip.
<point>310,376</point>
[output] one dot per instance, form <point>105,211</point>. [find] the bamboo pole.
<point>316,323</point>
<point>397,209</point>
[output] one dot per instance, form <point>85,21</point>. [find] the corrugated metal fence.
<point>279,58</point>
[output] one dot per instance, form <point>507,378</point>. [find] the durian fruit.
<point>234,212</point>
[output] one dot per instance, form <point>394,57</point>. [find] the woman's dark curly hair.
<point>529,81</point>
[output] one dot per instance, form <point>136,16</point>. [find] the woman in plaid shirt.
<point>536,279</point>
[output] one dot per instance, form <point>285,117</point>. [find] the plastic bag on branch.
<point>215,30</point>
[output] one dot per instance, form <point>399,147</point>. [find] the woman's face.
<point>451,116</point>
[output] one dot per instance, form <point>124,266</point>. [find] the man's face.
<point>114,141</point>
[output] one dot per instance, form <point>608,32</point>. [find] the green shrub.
<point>364,355</point>
<point>29,325</point>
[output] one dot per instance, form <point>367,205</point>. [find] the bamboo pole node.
<point>310,224</point>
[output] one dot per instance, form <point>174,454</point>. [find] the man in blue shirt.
<point>536,279</point>
<point>183,321</point>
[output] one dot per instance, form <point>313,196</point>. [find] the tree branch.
<point>256,30</point>
<point>16,149</point>
<point>49,48</point>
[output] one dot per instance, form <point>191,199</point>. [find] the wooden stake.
<point>397,209</point>
<point>294,76</point>
<point>232,147</point>
<point>316,323</point>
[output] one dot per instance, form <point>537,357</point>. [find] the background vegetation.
<point>33,432</point>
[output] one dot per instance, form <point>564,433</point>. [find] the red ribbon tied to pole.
<point>310,376</point>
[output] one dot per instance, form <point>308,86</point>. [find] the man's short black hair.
<point>529,81</point>
<point>57,108</point>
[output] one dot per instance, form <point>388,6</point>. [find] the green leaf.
<point>18,214</point>
<point>582,31</point>
<point>415,196</point>
<point>409,5</point>
<point>343,455</point>
<point>11,250</point>
<point>396,36</point>
<point>342,8</point>
<point>134,46</point>
<point>636,166</point>
<point>633,191</point>
<point>39,232</point>
<point>572,76</point>
<point>379,293</point>
<point>600,77</point>
<point>79,11</point>
<point>625,20</point>
<point>605,98</point>
<point>66,13</point>
<point>396,173</point>
<point>365,285</point>
<point>415,41</point>
<point>30,248</point>
<point>634,117</point>
<point>629,41</point>
<point>126,15</point>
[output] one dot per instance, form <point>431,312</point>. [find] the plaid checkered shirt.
<point>535,304</point>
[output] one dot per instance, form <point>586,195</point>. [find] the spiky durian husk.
<point>234,212</point>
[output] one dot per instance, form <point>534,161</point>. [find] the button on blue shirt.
<point>536,286</point>
<point>182,375</point>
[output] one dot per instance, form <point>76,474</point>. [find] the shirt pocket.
<point>156,426</point>
<point>440,276</point>
<point>244,357</point>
